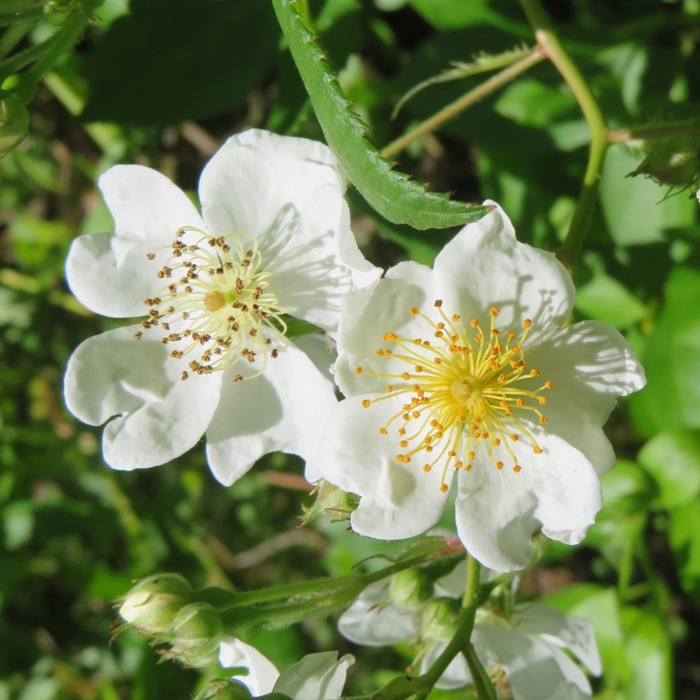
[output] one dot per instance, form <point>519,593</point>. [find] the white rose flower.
<point>469,369</point>
<point>522,654</point>
<point>273,238</point>
<point>318,676</point>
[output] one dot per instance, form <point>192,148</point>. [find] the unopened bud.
<point>14,122</point>
<point>410,589</point>
<point>197,622</point>
<point>225,690</point>
<point>196,634</point>
<point>673,160</point>
<point>152,604</point>
<point>439,619</point>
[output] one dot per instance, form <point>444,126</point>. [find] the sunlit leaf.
<point>389,192</point>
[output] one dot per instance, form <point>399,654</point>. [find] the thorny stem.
<point>226,600</point>
<point>494,82</point>
<point>552,48</point>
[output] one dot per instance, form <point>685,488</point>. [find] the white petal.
<point>262,673</point>
<point>283,409</point>
<point>158,416</point>
<point>456,675</point>
<point>535,670</point>
<point>146,205</point>
<point>590,364</point>
<point>398,500</point>
<point>452,584</point>
<point>308,275</point>
<point>256,174</point>
<point>320,349</point>
<point>109,273</point>
<point>485,266</point>
<point>318,676</point>
<point>370,313</point>
<point>572,633</point>
<point>498,510</point>
<point>363,272</point>
<point>373,621</point>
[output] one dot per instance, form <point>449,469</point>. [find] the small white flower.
<point>318,676</point>
<point>469,369</point>
<point>522,653</point>
<point>211,356</point>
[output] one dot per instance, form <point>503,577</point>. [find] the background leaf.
<point>169,61</point>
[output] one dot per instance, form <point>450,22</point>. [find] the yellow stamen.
<point>464,391</point>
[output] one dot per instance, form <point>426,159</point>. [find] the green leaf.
<point>648,650</point>
<point>671,359</point>
<point>633,208</point>
<point>389,192</point>
<point>455,14</point>
<point>170,61</point>
<point>684,536</point>
<point>626,494</point>
<point>605,299</point>
<point>673,460</point>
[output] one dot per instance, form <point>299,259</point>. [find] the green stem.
<point>552,48</point>
<point>15,63</point>
<point>401,688</point>
<point>61,42</point>
<point>465,624</point>
<point>11,38</point>
<point>480,678</point>
<point>688,127</point>
<point>329,587</point>
<point>494,82</point>
<point>46,53</point>
<point>20,16</point>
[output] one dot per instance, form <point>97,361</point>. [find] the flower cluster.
<point>467,370</point>
<point>522,651</point>
<point>465,377</point>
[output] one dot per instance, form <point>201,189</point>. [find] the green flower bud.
<point>439,619</point>
<point>197,623</point>
<point>152,604</point>
<point>14,122</point>
<point>673,160</point>
<point>410,589</point>
<point>330,500</point>
<point>225,690</point>
<point>195,635</point>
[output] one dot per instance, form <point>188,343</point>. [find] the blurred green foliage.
<point>163,84</point>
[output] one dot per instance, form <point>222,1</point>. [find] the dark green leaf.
<point>171,61</point>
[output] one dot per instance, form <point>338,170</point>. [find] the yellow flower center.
<point>215,308</point>
<point>466,390</point>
